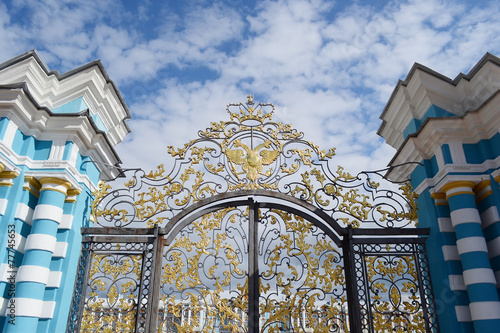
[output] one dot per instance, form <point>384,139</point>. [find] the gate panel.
<point>393,286</point>
<point>113,294</point>
<point>204,279</point>
<point>302,277</point>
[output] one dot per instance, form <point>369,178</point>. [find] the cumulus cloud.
<point>329,68</point>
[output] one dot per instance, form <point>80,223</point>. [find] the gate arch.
<point>140,269</point>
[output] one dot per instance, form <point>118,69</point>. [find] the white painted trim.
<point>445,224</point>
<point>479,275</point>
<point>32,273</point>
<point>60,250</point>
<point>3,206</point>
<point>463,313</point>
<point>54,280</point>
<point>457,152</point>
<point>6,271</point>
<point>457,282</point>
<point>48,212</point>
<point>497,277</point>
<point>3,306</point>
<point>493,247</point>
<point>439,158</point>
<point>465,215</point>
<point>24,213</point>
<point>489,216</point>
<point>19,243</point>
<point>450,252</point>
<point>471,244</point>
<point>40,242</point>
<point>461,189</point>
<point>10,133</point>
<point>66,222</point>
<point>484,310</point>
<point>29,307</point>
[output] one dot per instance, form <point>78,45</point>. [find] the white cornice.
<point>423,87</point>
<point>17,105</point>
<point>474,126</point>
<point>51,89</point>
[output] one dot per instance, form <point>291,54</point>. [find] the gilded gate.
<point>252,231</point>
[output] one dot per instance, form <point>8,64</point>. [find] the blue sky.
<point>328,67</point>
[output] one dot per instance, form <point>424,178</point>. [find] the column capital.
<point>458,187</point>
<point>483,190</point>
<point>55,184</point>
<point>6,177</point>
<point>72,194</point>
<point>32,185</point>
<point>439,198</point>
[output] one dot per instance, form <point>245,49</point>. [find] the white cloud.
<point>329,73</point>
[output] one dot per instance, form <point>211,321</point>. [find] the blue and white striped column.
<point>8,242</point>
<point>58,291</point>
<point>478,276</point>
<point>459,298</point>
<point>34,272</point>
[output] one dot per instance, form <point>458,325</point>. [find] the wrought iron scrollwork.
<point>302,277</point>
<point>114,291</point>
<point>393,294</point>
<point>250,152</point>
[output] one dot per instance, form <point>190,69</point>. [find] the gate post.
<point>154,289</point>
<point>253,268</point>
<point>351,286</point>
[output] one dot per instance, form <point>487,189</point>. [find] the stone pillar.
<point>34,272</point>
<point>471,245</point>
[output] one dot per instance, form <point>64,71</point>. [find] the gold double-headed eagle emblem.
<point>252,161</point>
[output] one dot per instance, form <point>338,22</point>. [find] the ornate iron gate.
<point>252,232</point>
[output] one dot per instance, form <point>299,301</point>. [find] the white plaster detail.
<point>54,280</point>
<point>450,252</point>
<point>3,306</point>
<point>463,313</point>
<point>48,212</point>
<point>489,216</point>
<point>471,244</point>
<point>55,187</point>
<point>465,215</point>
<point>484,310</point>
<point>7,273</point>
<point>461,189</point>
<point>497,277</point>
<point>60,250</point>
<point>457,152</point>
<point>73,156</point>
<point>439,158</point>
<point>457,282</point>
<point>493,247</point>
<point>19,243</point>
<point>66,222</point>
<point>29,307</point>
<point>40,242</point>
<point>3,206</point>
<point>445,225</point>
<point>24,213</point>
<point>32,273</point>
<point>57,149</point>
<point>10,133</point>
<point>479,275</point>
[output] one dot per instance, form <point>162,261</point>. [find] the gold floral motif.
<point>112,300</point>
<point>396,303</point>
<point>205,286</point>
<point>304,300</point>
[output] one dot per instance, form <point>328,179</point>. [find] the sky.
<point>329,67</point>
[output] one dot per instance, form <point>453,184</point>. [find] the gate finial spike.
<point>250,99</point>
